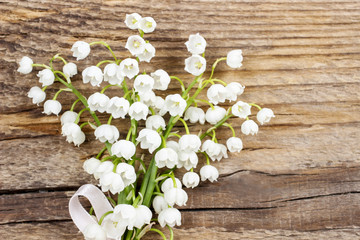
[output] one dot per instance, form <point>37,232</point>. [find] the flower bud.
<point>189,143</point>
<point>159,204</point>
<point>138,111</point>
<point>234,144</point>
<point>132,20</point>
<point>249,127</point>
<point>46,76</point>
<point>175,104</point>
<point>195,114</point>
<point>52,107</point>
<point>25,65</point>
<point>264,115</point>
<point>166,157</point>
<point>37,95</point>
<point>80,50</point>
<point>196,44</point>
<point>217,93</point>
<point>143,216</point>
<point>124,149</point>
<point>92,75</point>
<point>90,165</point>
<point>107,132</point>
<point>129,67</point>
<point>169,184</point>
<point>147,54</point>
<point>147,24</point>
<point>241,109</point>
<point>161,79</point>
<point>234,58</point>
<point>176,196</point>
<point>112,74</point>
<point>68,117</point>
<point>118,107</point>
<point>149,139</point>
<point>155,122</point>
<point>111,181</point>
<point>70,69</point>
<point>94,231</point>
<point>143,83</point>
<point>213,116</point>
<point>191,179</point>
<point>170,217</point>
<point>98,102</point>
<point>209,172</point>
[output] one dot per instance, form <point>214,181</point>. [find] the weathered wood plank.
<point>55,231</point>
<point>249,200</point>
<point>301,59</point>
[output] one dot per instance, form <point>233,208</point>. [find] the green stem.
<point>171,232</point>
<point>83,124</point>
<point>129,133</point>
<point>58,92</point>
<point>105,61</point>
<point>220,81</point>
<point>185,125</point>
<point>214,136</point>
<point>106,87</point>
<point>232,129</point>
<point>101,153</point>
<point>255,105</point>
<point>79,114</point>
<point>205,101</point>
<point>103,216</point>
<point>214,65</point>
<point>73,105</point>
<point>181,82</point>
<point>107,46</point>
<point>207,158</point>
<point>40,65</point>
<point>109,120</point>
<point>174,134</point>
<point>221,122</point>
<point>152,111</point>
<point>159,232</point>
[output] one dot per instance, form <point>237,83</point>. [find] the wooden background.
<point>299,178</point>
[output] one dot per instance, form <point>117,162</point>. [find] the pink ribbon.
<point>98,200</point>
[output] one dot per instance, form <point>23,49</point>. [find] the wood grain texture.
<point>299,178</point>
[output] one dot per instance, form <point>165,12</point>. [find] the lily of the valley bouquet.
<point>138,166</point>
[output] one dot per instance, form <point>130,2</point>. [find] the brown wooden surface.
<point>298,179</point>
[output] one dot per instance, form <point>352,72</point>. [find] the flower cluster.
<point>121,164</point>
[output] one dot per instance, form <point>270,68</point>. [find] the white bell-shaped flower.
<point>209,172</point>
<point>234,89</point>
<point>135,44</point>
<point>73,133</point>
<point>213,116</point>
<point>170,217</point>
<point>52,107</point>
<point>94,231</point>
<point>112,74</point>
<point>166,157</point>
<point>124,149</point>
<point>189,143</point>
<point>106,132</point>
<point>176,196</point>
<point>187,160</point>
<point>149,139</point>
<point>103,168</point>
<point>118,107</point>
<point>234,58</point>
<point>159,204</point>
<point>98,102</point>
<point>138,111</point>
<point>70,69</point>
<point>37,95</point>
<point>249,127</point>
<point>241,109</point>
<point>127,173</point>
<point>191,179</point>
<point>155,122</point>
<point>173,145</point>
<point>195,65</point>
<point>143,216</point>
<point>148,98</point>
<point>90,165</point>
<point>221,154</point>
<point>234,144</point>
<point>158,105</point>
<point>129,67</point>
<point>46,77</point>
<point>114,230</point>
<point>147,54</point>
<point>125,214</point>
<point>143,83</point>
<point>211,148</point>
<point>161,79</point>
<point>112,182</point>
<point>264,115</point>
<point>175,104</point>
<point>147,24</point>
<point>169,184</point>
<point>25,65</point>
<point>68,117</point>
<point>217,93</point>
<point>92,75</point>
<point>132,20</point>
<point>196,44</point>
<point>80,50</point>
<point>194,114</point>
